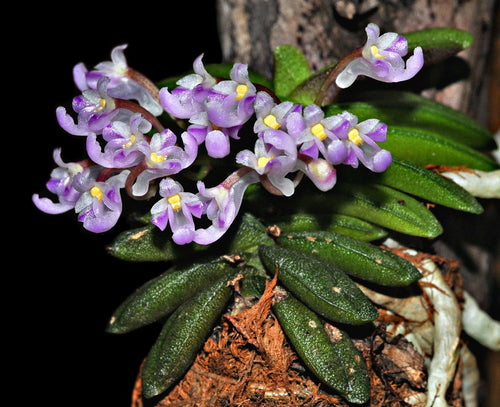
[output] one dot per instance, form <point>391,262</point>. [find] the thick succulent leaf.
<point>439,43</point>
<point>320,285</point>
<point>291,68</point>
<point>398,108</point>
<point>345,225</point>
<point>420,182</point>
<point>249,234</point>
<point>326,350</point>
<point>308,91</point>
<point>163,294</point>
<point>381,205</point>
<point>182,337</point>
<point>424,147</point>
<point>358,259</point>
<point>148,243</point>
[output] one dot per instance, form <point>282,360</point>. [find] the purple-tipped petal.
<point>217,144</point>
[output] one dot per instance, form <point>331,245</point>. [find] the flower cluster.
<point>129,148</point>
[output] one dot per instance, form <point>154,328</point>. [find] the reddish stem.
<point>134,107</point>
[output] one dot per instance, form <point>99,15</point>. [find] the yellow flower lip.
<point>319,131</point>
<point>271,121</point>
<point>175,202</point>
<point>241,89</point>
<point>157,158</point>
<point>96,192</point>
<point>374,50</point>
<point>262,161</point>
<point>353,135</point>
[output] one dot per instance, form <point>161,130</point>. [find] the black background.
<point>61,285</point>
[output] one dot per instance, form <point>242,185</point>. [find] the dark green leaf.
<point>320,285</point>
<point>345,225</point>
<point>359,259</point>
<point>424,147</point>
<point>163,294</point>
<point>439,43</point>
<point>420,182</point>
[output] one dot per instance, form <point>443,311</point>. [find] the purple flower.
<point>163,157</point>
<point>271,115</point>
<point>95,109</point>
<point>230,103</point>
<point>359,143</point>
<point>216,139</point>
<point>274,156</point>
<point>320,172</point>
<point>122,141</point>
<point>382,59</point>
<point>61,184</point>
<point>177,208</point>
<point>222,204</point>
<point>189,97</point>
<point>316,133</point>
<point>121,85</point>
<point>100,205</point>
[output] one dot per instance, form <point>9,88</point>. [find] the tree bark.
<point>325,30</point>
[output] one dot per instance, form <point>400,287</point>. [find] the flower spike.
<point>188,98</point>
<point>125,83</point>
<point>382,59</point>
<point>177,209</point>
<point>100,206</point>
<point>359,143</point>
<point>222,204</point>
<point>122,141</point>
<point>61,184</point>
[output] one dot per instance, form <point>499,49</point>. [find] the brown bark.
<point>327,29</point>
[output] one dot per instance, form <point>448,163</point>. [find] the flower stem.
<point>145,82</point>
<point>134,107</point>
<point>329,90</point>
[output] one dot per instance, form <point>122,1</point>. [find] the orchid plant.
<point>198,148</point>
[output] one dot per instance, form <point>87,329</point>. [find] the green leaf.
<point>420,182</point>
<point>182,337</point>
<point>345,225</point>
<point>307,91</point>
<point>407,109</point>
<point>290,69</point>
<point>439,43</point>
<point>385,207</point>
<point>163,294</point>
<point>326,350</point>
<point>320,285</point>
<point>424,147</point>
<point>376,204</point>
<point>148,243</point>
<point>249,235</point>
<point>359,259</point>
